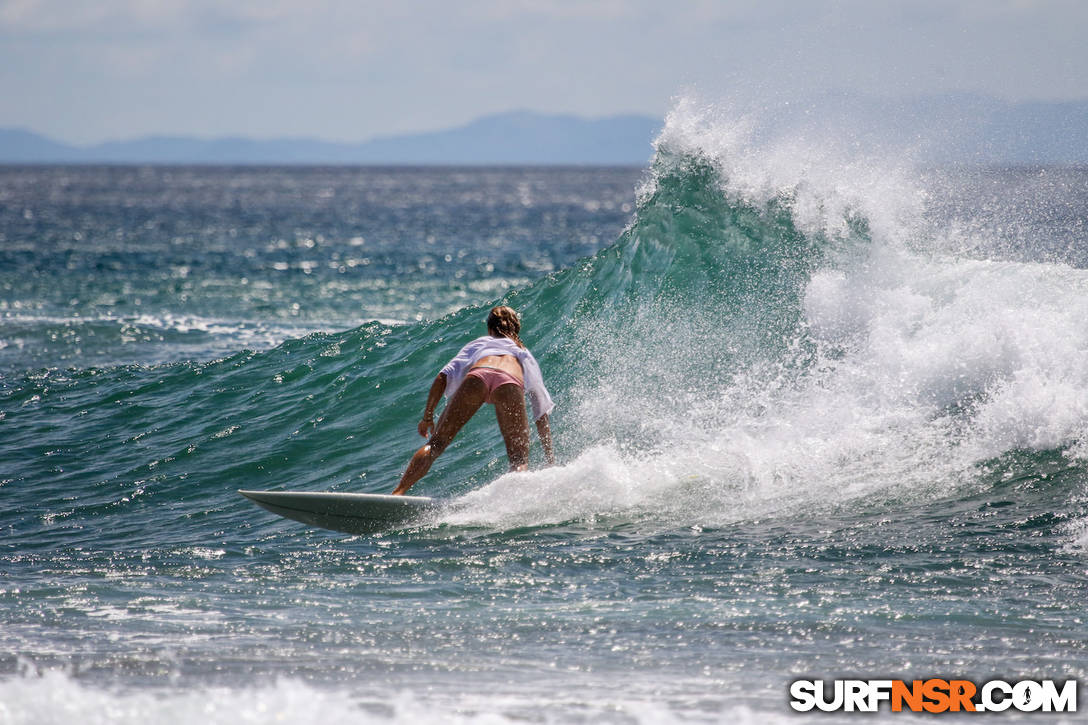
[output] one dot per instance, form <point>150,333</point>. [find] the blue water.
<point>816,416</point>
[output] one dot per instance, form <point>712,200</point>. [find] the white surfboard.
<point>352,513</point>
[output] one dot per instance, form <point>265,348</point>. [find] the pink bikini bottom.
<point>492,378</point>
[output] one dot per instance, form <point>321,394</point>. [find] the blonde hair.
<point>503,321</point>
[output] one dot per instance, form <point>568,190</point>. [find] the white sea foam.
<point>55,697</point>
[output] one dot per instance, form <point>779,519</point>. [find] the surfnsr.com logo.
<point>933,695</point>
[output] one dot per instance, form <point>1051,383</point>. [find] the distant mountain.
<point>509,138</point>
<point>959,129</point>
<point>22,147</point>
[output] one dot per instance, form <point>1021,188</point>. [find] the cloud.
<point>349,70</point>
<point>31,17</point>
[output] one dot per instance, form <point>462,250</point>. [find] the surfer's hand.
<point>425,427</point>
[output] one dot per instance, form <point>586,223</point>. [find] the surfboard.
<point>352,513</point>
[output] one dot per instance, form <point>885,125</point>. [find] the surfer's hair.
<point>503,321</point>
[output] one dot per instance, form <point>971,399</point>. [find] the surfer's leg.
<point>509,403</point>
<point>464,404</point>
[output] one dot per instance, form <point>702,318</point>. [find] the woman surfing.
<point>498,369</point>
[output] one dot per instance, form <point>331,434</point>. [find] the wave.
<point>778,328</point>
<point>794,333</point>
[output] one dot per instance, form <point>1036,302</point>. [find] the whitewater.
<point>820,413</point>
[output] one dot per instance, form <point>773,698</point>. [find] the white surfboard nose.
<point>353,513</point>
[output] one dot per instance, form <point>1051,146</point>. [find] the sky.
<point>85,71</point>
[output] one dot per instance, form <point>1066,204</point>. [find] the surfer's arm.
<point>437,388</point>
<point>545,432</point>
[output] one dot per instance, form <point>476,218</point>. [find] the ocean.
<point>818,416</point>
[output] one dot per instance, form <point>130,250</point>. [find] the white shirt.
<point>456,369</point>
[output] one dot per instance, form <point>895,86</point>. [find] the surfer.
<point>496,368</point>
